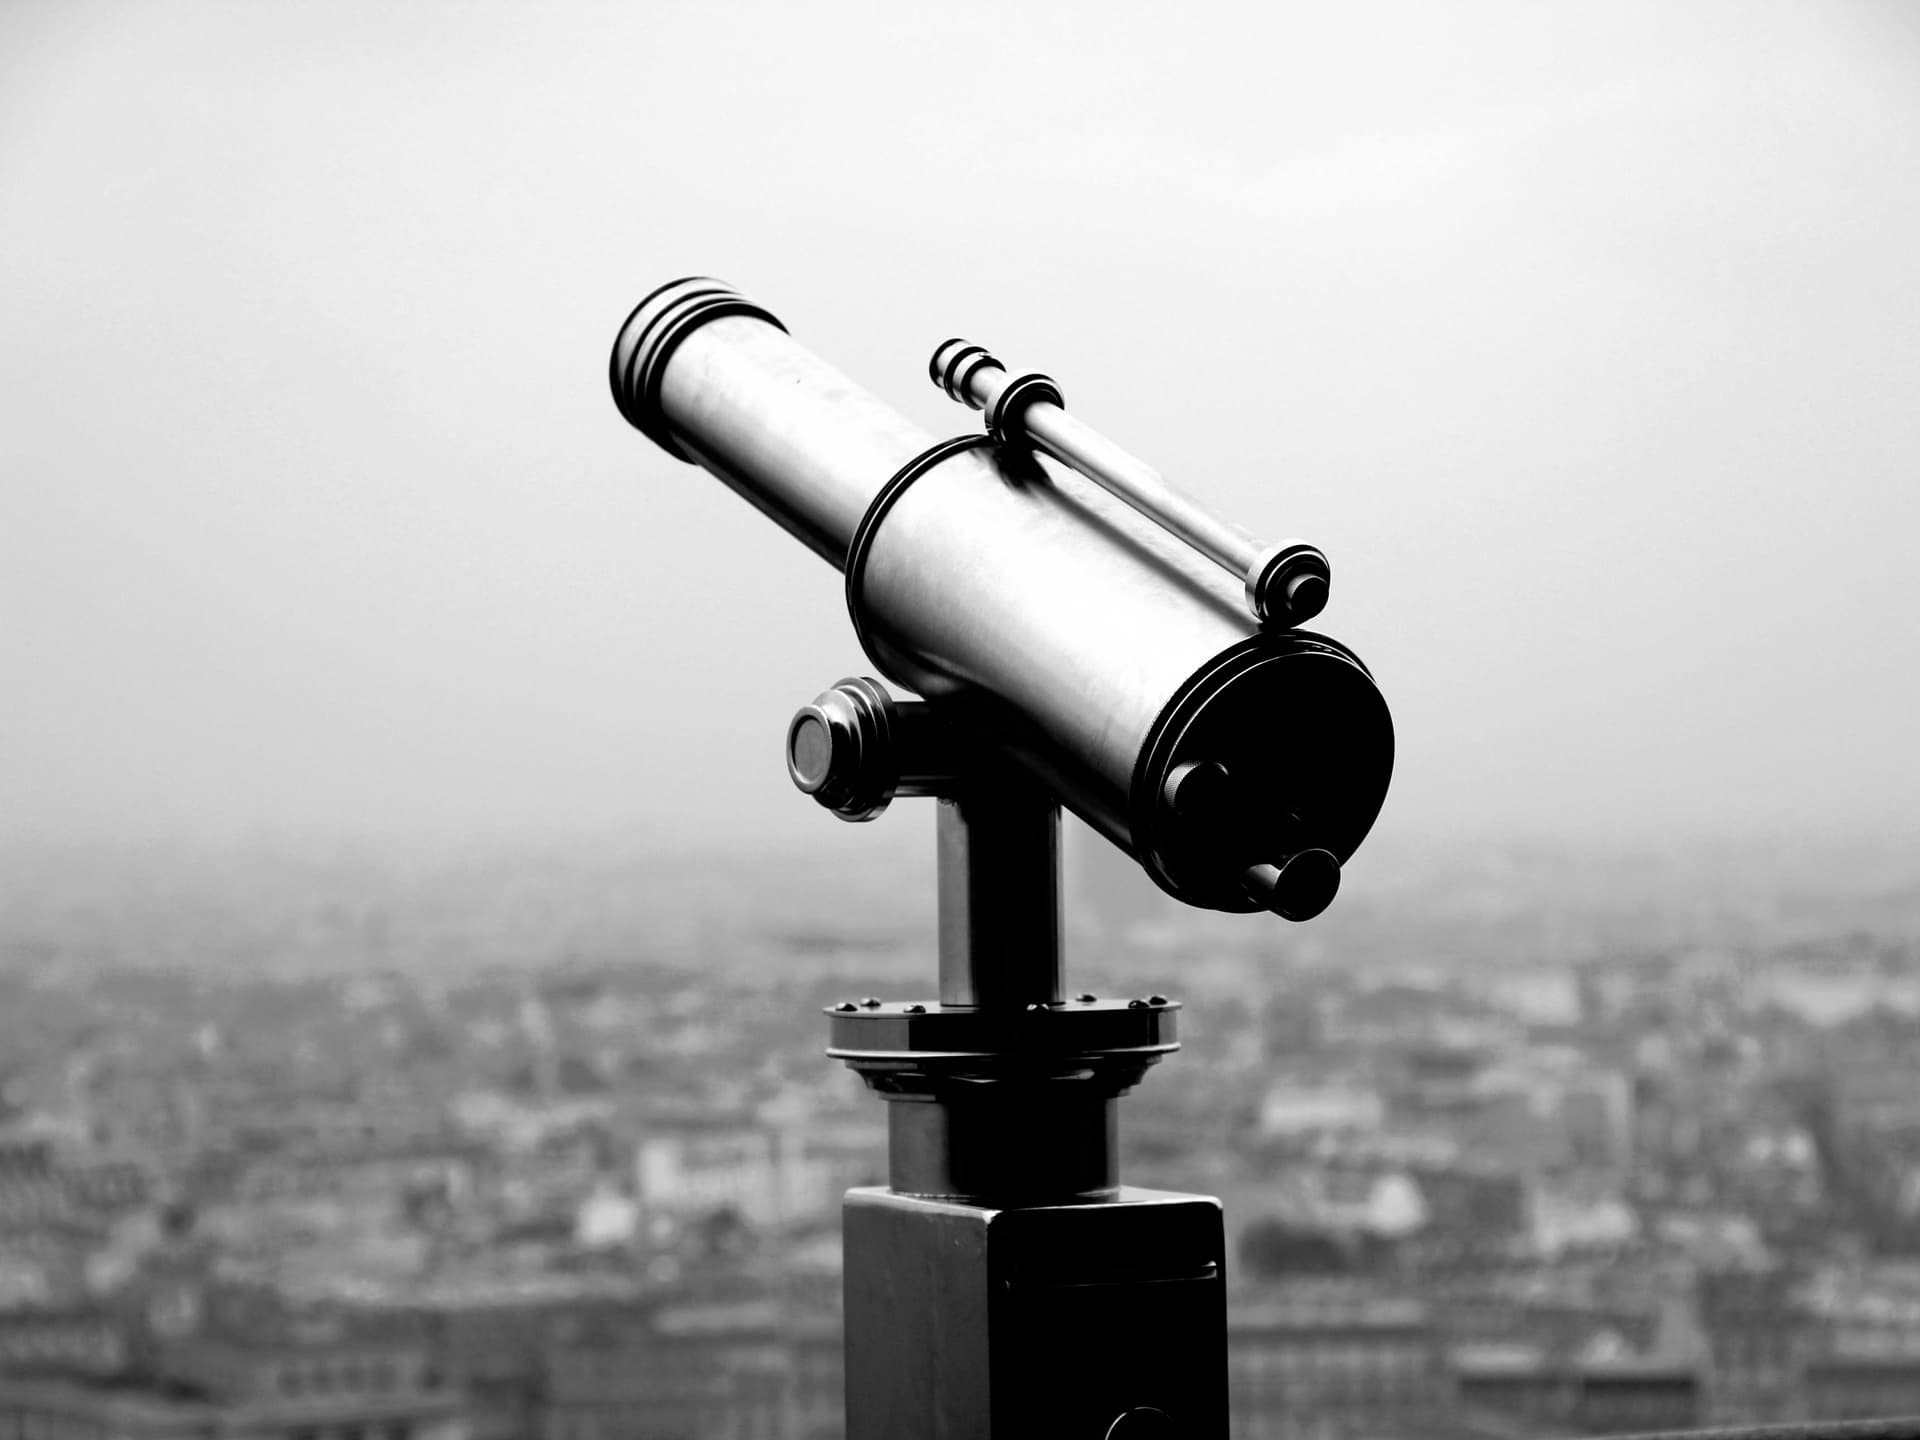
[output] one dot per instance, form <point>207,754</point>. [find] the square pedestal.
<point>1055,1322</point>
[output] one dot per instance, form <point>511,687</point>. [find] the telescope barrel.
<point>1114,657</point>
<point>719,383</point>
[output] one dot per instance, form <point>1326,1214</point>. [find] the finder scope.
<point>1132,654</point>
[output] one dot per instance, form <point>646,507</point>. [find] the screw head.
<point>1136,1005</point>
<point>869,1002</point>
<point>916,1009</point>
<point>1086,999</point>
<point>846,1007</point>
<point>1158,1000</point>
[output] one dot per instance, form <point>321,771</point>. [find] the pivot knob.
<point>840,749</point>
<point>856,747</point>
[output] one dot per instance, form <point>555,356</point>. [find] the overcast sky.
<point>1584,339</point>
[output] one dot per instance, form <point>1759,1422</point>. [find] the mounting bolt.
<point>1086,999</point>
<point>916,1009</point>
<point>846,1007</point>
<point>868,1002</point>
<point>1136,1004</point>
<point>1158,1000</point>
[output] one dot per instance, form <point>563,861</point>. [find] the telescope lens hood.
<point>1294,744</point>
<point>648,339</point>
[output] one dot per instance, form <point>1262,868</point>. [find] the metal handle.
<point>1286,584</point>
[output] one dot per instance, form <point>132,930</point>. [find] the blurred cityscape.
<point>1523,1143</point>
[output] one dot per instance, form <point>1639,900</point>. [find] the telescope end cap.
<point>810,750</point>
<point>839,750</point>
<point>1298,888</point>
<point>1289,584</point>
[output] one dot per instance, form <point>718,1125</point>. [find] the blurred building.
<point>1326,1364</point>
<point>240,1364</point>
<point>768,1176</point>
<point>81,1339</point>
<point>1611,1397</point>
<point>722,1371</point>
<point>1758,1341</point>
<point>1863,1386</point>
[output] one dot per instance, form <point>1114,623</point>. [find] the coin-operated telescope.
<point>1081,634</point>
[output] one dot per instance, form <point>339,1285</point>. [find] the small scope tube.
<point>1286,584</point>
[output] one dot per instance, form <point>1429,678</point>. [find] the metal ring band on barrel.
<point>636,383</point>
<point>862,542</point>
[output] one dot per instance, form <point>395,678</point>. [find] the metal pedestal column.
<point>1004,1285</point>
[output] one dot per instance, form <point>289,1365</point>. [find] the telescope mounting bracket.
<point>1017,1080</point>
<point>1003,1252</point>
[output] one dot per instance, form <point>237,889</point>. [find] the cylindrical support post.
<point>1038,1143</point>
<point>1000,936</point>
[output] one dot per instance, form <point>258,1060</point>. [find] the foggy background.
<point>1583,339</point>
<point>409,936</point>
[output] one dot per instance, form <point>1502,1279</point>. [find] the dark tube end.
<point>1280,748</point>
<point>1298,888</point>
<point>648,339</point>
<point>1306,597</point>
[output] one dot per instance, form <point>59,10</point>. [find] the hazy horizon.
<point>1585,340</point>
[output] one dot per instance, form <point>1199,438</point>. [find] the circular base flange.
<point>948,1037</point>
<point>1003,1106</point>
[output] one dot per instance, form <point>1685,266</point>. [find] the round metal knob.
<point>1200,792</point>
<point>1289,584</point>
<point>1299,887</point>
<point>840,750</point>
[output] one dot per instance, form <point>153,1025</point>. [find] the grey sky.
<point>1585,339</point>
